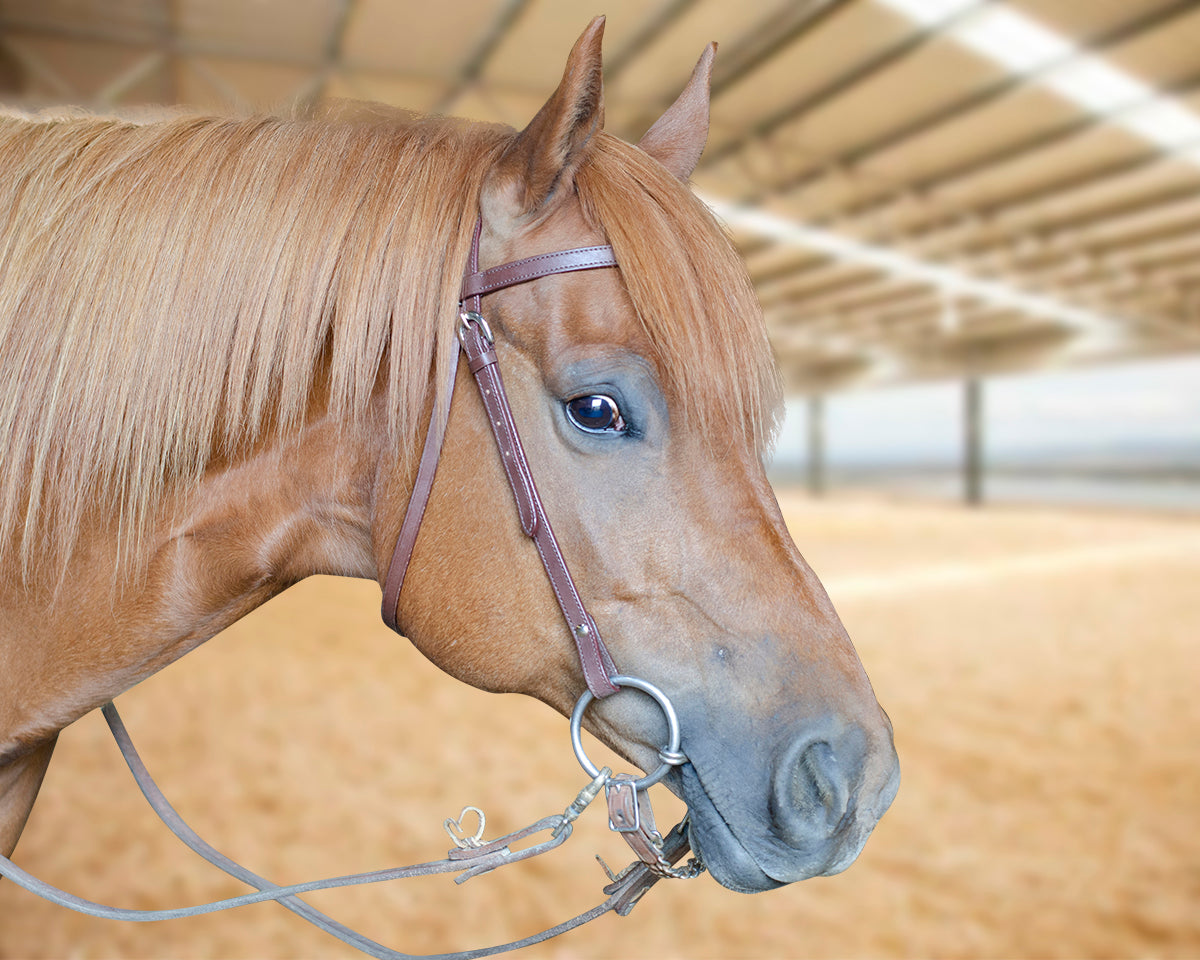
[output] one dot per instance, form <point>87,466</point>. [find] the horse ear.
<point>540,164</point>
<point>677,138</point>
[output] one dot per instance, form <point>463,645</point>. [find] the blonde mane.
<point>169,290</point>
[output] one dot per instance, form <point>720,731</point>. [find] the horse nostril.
<point>820,787</point>
<point>814,790</point>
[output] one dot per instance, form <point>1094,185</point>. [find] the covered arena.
<point>924,194</point>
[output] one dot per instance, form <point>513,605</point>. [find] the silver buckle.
<point>468,317</point>
<point>624,811</point>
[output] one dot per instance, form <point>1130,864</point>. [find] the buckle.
<point>624,811</point>
<point>466,319</point>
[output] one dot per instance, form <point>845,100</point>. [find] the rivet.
<point>582,630</point>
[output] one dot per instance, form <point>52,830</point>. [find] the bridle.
<point>476,342</point>
<point>629,810</point>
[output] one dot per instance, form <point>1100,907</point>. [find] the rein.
<point>629,809</point>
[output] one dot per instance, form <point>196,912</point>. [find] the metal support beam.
<point>817,478</point>
<point>855,74</point>
<point>973,100</point>
<point>476,63</point>
<point>35,66</point>
<point>314,89</point>
<point>973,448</point>
<point>790,24</point>
<point>169,45</point>
<point>226,90</point>
<point>903,268</point>
<point>113,91</point>
<point>763,42</point>
<point>1072,130</point>
<point>658,25</point>
<point>12,75</point>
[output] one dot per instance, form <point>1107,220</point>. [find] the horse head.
<point>645,397</point>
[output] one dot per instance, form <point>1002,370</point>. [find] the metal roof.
<point>910,201</point>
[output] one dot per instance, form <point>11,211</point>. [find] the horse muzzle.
<point>808,813</point>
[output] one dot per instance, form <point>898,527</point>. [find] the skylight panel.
<point>1011,39</point>
<point>950,281</point>
<point>1095,85</point>
<point>1024,47</point>
<point>1165,122</point>
<point>928,12</point>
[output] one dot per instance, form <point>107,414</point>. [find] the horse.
<point>222,340</point>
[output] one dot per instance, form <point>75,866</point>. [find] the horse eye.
<point>596,414</point>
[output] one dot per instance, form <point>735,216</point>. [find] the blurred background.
<point>973,227</point>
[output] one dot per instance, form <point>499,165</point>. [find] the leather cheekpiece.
<point>594,657</point>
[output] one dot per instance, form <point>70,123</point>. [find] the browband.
<point>475,341</point>
<point>476,284</point>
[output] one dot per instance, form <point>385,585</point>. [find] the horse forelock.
<point>169,290</point>
<point>690,288</point>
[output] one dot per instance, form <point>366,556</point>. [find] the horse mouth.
<point>714,842</point>
<point>774,862</point>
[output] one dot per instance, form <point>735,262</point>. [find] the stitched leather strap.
<point>431,453</point>
<point>417,501</point>
<point>477,283</point>
<point>593,655</point>
<point>597,664</point>
<point>633,882</point>
<point>621,895</point>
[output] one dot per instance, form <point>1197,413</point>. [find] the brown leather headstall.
<point>476,342</point>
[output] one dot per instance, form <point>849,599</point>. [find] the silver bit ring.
<point>670,754</point>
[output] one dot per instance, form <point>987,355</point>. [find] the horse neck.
<point>290,507</point>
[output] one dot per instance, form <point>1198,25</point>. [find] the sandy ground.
<point>1040,667</point>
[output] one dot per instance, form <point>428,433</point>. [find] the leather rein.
<point>629,809</point>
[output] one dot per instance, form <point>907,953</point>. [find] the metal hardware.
<point>468,317</point>
<point>472,855</point>
<point>458,833</point>
<point>664,868</point>
<point>671,750</point>
<point>581,801</point>
<point>624,811</point>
